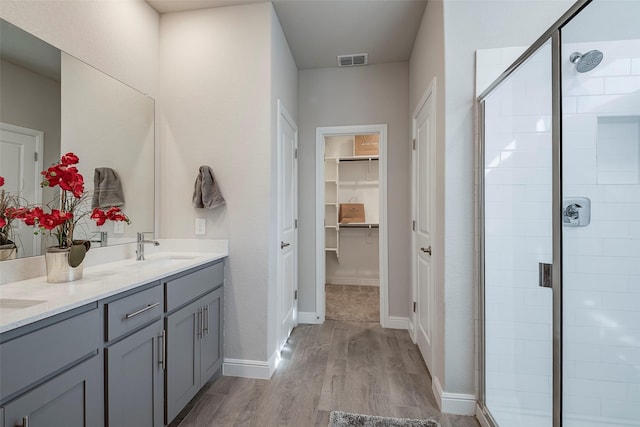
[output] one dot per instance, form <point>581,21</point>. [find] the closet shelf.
<point>330,226</point>
<point>358,183</point>
<point>358,158</point>
<point>359,225</point>
<point>331,249</point>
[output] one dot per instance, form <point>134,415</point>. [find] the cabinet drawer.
<point>191,286</point>
<point>32,357</point>
<point>128,313</point>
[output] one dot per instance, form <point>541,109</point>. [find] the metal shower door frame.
<point>553,34</point>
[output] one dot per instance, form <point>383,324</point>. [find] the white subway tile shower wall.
<point>602,270</point>
<point>518,231</point>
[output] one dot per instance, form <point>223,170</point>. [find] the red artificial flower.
<point>69,159</point>
<point>2,222</point>
<point>113,214</point>
<point>31,216</point>
<point>54,219</point>
<point>15,213</point>
<point>99,216</point>
<point>1,181</point>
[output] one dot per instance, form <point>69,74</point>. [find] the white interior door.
<point>287,224</point>
<point>20,166</point>
<point>424,189</point>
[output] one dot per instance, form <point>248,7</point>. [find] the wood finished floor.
<point>350,366</point>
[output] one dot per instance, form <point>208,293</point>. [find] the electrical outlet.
<point>118,227</point>
<point>200,226</point>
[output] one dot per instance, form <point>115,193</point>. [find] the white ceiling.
<point>319,30</point>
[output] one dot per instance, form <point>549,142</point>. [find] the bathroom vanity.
<point>128,345</point>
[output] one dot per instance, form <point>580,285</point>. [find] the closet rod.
<point>347,225</point>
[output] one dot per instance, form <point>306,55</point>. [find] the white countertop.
<point>98,282</point>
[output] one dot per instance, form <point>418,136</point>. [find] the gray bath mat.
<point>345,419</point>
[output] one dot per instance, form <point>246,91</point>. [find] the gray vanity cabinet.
<point>134,358</point>
<point>194,335</point>
<point>71,399</point>
<point>50,372</point>
<point>211,339</point>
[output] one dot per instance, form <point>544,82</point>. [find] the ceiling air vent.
<point>353,60</point>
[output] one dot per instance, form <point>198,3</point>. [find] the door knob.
<point>427,250</point>
<point>284,245</point>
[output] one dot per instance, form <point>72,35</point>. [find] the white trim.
<point>351,281</point>
<point>411,329</point>
<point>482,420</point>
<point>394,322</point>
<point>308,318</point>
<point>251,368</point>
<point>321,132</point>
<point>453,403</point>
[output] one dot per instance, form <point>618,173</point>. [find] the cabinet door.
<point>135,380</point>
<point>71,399</point>
<point>183,357</point>
<point>211,342</point>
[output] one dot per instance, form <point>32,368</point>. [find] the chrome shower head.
<point>586,62</point>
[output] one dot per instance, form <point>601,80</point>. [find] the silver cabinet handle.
<point>163,350</point>
<point>25,422</point>
<point>284,245</point>
<point>200,322</point>
<point>427,250</point>
<point>142,310</point>
<point>205,311</point>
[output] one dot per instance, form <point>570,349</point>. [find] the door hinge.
<point>414,143</point>
<point>35,156</point>
<point>295,153</point>
<point>415,306</point>
<point>295,223</point>
<point>413,225</point>
<point>295,294</point>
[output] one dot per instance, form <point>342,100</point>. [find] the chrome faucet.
<point>141,242</point>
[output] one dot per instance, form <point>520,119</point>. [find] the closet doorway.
<point>351,220</point>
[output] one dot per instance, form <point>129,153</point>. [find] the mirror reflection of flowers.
<point>9,208</point>
<point>61,222</point>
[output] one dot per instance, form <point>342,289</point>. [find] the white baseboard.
<point>308,318</point>
<point>251,368</point>
<point>394,322</point>
<point>359,281</point>
<point>454,403</point>
<point>481,418</point>
<point>411,331</point>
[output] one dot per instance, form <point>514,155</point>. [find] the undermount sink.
<point>11,303</point>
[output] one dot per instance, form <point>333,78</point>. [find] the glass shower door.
<point>517,238</point>
<point>601,216</point>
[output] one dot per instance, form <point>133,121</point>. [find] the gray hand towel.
<point>206,193</point>
<point>107,189</point>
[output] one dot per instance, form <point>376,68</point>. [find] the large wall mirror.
<point>52,103</point>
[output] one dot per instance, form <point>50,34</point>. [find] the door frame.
<point>37,198</point>
<point>283,114</point>
<point>429,95</point>
<point>321,133</point>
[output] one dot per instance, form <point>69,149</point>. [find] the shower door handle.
<point>544,275</point>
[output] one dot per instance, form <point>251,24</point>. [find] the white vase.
<point>58,268</point>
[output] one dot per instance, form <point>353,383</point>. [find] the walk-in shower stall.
<point>560,226</point>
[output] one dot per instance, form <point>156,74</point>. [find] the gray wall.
<point>355,96</point>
